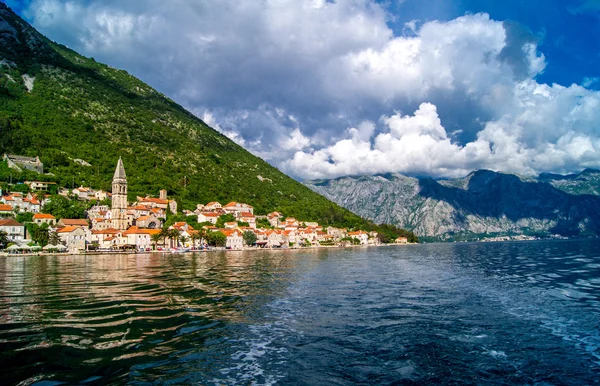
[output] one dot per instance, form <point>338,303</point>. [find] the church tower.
<point>119,198</point>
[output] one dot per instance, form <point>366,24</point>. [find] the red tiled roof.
<point>9,223</point>
<point>6,208</point>
<point>43,216</point>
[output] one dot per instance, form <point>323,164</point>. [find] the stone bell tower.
<point>119,198</point>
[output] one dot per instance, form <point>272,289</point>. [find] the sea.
<point>505,313</point>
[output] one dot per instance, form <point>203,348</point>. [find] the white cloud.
<point>287,78</point>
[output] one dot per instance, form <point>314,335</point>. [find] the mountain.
<point>79,116</point>
<point>483,204</point>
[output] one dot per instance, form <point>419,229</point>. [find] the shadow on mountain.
<point>491,194</point>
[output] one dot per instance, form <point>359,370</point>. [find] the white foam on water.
<point>257,348</point>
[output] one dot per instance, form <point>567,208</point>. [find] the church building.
<point>119,198</point>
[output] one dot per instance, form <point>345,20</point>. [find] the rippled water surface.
<point>503,313</point>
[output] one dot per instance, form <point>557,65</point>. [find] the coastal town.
<point>113,223</point>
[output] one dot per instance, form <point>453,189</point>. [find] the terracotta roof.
<point>42,216</point>
<point>74,221</point>
<point>155,200</point>
<point>9,223</point>
<point>67,229</point>
<point>210,214</point>
<point>143,218</point>
<point>212,203</point>
<point>232,203</point>
<point>6,208</point>
<point>246,214</point>
<point>150,231</point>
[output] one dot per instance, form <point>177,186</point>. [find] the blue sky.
<point>322,89</point>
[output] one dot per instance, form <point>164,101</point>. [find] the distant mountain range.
<point>484,204</point>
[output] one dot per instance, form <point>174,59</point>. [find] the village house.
<point>230,225</point>
<point>100,223</point>
<point>73,237</point>
<point>6,210</point>
<point>44,218</point>
<point>149,221</point>
<point>15,231</point>
<point>83,193</point>
<point>401,240</point>
<point>233,239</point>
<point>361,236</point>
<point>236,208</point>
<point>39,185</point>
<point>104,239</point>
<point>274,219</point>
<point>249,218</point>
<point>290,223</point>
<point>208,217</point>
<point>31,205</point>
<point>77,222</point>
<point>99,211</point>
<point>138,238</point>
<point>213,207</point>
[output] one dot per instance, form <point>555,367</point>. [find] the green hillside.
<point>79,109</point>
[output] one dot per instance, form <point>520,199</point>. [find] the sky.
<point>323,88</point>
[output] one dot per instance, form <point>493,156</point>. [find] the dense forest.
<point>79,116</point>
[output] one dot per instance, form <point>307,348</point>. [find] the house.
<point>274,219</point>
<point>236,208</point>
<point>401,240</point>
<point>208,217</point>
<point>149,222</point>
<point>83,193</point>
<point>31,205</point>
<point>101,195</point>
<point>249,218</point>
<point>6,210</point>
<point>105,238</point>
<point>40,185</point>
<point>212,207</point>
<point>19,163</point>
<point>231,225</point>
<point>99,211</point>
<point>77,222</point>
<point>361,236</point>
<point>14,230</point>
<point>233,239</point>
<point>100,223</point>
<point>73,237</point>
<point>139,238</point>
<point>276,238</point>
<point>44,218</point>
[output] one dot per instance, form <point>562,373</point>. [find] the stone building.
<point>19,163</point>
<point>119,198</point>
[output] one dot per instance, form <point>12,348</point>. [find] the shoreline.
<point>96,253</point>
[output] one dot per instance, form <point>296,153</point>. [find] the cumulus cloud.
<point>317,87</point>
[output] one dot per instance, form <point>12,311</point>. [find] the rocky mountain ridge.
<point>482,204</point>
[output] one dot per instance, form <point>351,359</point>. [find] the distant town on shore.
<point>33,220</point>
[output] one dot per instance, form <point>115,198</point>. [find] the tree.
<point>249,238</point>
<point>24,217</point>
<point>62,207</point>
<point>174,235</point>
<point>223,219</point>
<point>155,239</point>
<point>3,239</point>
<point>53,238</point>
<point>195,237</point>
<point>41,235</point>
<point>217,239</point>
<point>184,239</point>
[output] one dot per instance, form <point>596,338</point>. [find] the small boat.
<point>179,250</point>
